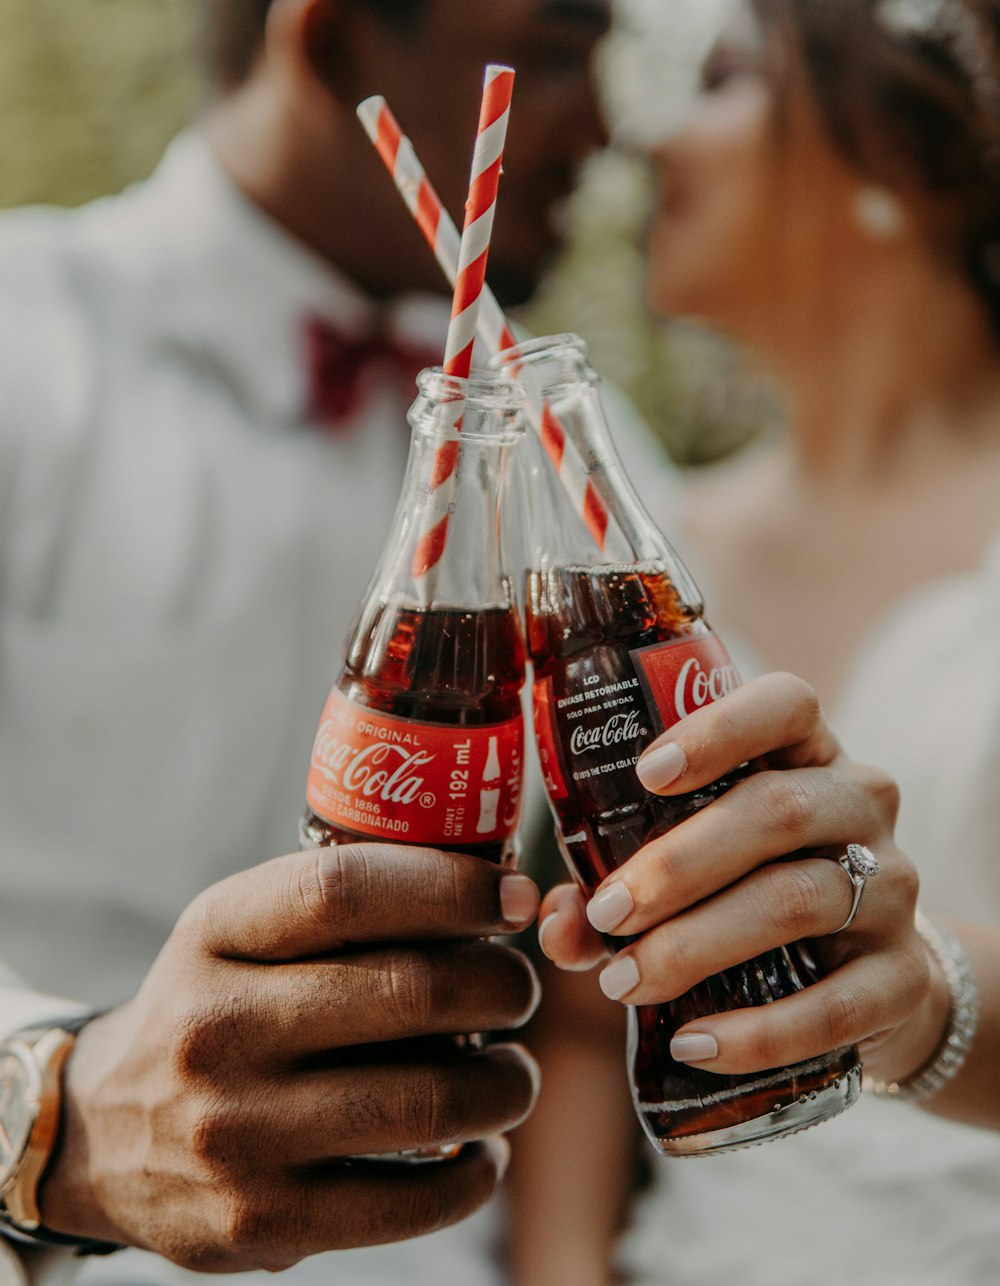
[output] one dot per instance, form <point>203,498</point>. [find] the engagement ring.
<point>861,865</point>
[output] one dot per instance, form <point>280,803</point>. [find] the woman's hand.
<point>756,870</point>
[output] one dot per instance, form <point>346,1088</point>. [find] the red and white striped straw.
<point>473,254</point>
<point>480,212</point>
<point>410,177</point>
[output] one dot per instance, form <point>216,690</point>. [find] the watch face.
<point>17,1113</point>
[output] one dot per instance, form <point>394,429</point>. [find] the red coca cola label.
<point>414,782</point>
<point>684,675</point>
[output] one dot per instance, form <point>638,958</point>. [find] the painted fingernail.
<point>619,978</point>
<point>610,907</point>
<point>659,768</point>
<point>543,928</point>
<point>697,1047</point>
<point>519,899</point>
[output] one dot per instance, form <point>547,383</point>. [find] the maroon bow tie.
<point>340,366</point>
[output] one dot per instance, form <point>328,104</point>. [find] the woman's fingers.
<point>778,715</point>
<point>564,933</point>
<point>764,817</point>
<point>779,904</point>
<point>870,994</point>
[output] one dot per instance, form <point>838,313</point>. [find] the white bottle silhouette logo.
<point>489,795</point>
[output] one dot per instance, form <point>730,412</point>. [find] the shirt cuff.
<point>20,1008</point>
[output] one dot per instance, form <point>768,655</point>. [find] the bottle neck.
<point>584,510</point>
<point>447,548</point>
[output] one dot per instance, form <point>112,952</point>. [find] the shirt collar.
<point>222,278</point>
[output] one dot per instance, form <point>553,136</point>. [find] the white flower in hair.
<point>911,17</point>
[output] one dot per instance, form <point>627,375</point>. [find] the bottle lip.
<point>544,347</point>
<point>556,362</point>
<point>494,402</point>
<point>487,388</point>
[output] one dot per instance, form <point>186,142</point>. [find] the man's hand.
<point>205,1120</point>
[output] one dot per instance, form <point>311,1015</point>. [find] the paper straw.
<point>473,254</point>
<point>480,212</point>
<point>410,177</point>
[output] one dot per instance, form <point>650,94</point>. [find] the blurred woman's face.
<point>718,177</point>
<point>758,230</point>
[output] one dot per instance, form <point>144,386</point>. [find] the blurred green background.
<point>92,90</point>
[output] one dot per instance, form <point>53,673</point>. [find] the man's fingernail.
<point>610,907</point>
<point>536,1075</point>
<point>697,1047</point>
<point>543,928</point>
<point>619,978</point>
<point>660,768</point>
<point>519,899</point>
<point>501,1154</point>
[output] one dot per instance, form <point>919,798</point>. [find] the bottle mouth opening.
<point>544,348</point>
<point>554,361</point>
<point>488,407</point>
<point>489,390</point>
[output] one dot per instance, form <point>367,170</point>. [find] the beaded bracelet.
<point>963,1019</point>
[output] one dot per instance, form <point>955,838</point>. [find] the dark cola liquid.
<point>590,634</point>
<point>451,667</point>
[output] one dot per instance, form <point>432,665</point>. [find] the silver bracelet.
<point>963,1019</point>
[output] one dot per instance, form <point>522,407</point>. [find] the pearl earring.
<point>878,213</point>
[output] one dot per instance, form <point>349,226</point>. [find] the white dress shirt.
<point>181,554</point>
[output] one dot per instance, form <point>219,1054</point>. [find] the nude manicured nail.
<point>698,1047</point>
<point>610,907</point>
<point>543,928</point>
<point>619,978</point>
<point>659,768</point>
<point>518,899</point>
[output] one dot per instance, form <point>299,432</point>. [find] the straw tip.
<point>370,106</point>
<point>495,70</point>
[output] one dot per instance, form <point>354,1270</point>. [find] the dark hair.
<point>234,33</point>
<point>910,103</point>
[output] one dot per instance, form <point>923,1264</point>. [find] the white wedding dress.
<point>884,1195</point>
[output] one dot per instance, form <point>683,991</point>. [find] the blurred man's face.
<point>433,79</point>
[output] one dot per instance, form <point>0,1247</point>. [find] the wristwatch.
<point>31,1064</point>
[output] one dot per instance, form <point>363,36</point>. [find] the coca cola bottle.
<point>422,738</point>
<point>621,650</point>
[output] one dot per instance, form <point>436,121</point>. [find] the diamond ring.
<point>861,865</point>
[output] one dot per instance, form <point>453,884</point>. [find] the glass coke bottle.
<point>621,650</point>
<point>421,741</point>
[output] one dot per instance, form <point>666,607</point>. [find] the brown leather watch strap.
<point>20,1218</point>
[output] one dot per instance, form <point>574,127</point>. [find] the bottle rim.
<point>542,346</point>
<point>564,357</point>
<point>486,388</point>
<point>494,401</point>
